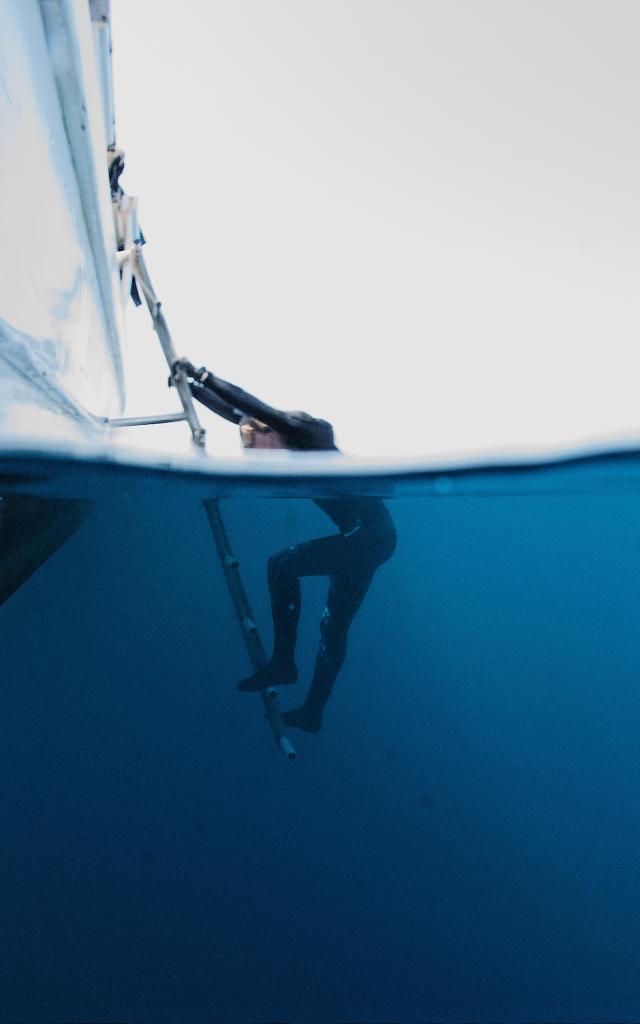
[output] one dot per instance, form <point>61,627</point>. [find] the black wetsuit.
<point>350,558</point>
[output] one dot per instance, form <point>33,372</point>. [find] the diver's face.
<point>256,435</point>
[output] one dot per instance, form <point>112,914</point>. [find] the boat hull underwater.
<point>458,842</point>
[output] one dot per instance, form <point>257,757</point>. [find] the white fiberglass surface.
<point>51,315</point>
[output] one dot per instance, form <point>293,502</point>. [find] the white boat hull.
<point>61,310</point>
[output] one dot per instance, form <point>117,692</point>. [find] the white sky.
<point>420,220</point>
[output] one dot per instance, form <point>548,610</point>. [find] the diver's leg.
<point>314,558</point>
<point>284,589</point>
<point>346,594</point>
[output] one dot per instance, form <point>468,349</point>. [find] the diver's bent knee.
<point>388,542</point>
<point>281,563</point>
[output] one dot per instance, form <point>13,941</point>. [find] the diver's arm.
<point>208,388</point>
<point>213,402</point>
<point>241,401</point>
<point>248,404</point>
<point>296,431</point>
<point>206,396</point>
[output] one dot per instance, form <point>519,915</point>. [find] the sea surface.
<point>460,842</point>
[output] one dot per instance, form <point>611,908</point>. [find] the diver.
<point>350,558</point>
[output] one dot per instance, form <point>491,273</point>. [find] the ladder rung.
<point>143,421</point>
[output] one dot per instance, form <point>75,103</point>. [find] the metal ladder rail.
<point>230,565</point>
<point>162,330</point>
<point>251,636</point>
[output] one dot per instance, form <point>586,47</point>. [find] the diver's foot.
<point>275,673</point>
<point>303,718</point>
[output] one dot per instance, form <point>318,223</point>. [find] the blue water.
<point>459,843</point>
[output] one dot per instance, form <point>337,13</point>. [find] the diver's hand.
<point>185,366</point>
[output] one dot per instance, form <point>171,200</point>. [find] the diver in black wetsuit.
<point>366,539</point>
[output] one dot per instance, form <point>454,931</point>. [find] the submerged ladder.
<point>253,643</point>
<point>229,563</point>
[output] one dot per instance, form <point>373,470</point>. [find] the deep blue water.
<point>459,843</point>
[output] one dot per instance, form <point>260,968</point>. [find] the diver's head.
<point>257,435</point>
<point>320,437</point>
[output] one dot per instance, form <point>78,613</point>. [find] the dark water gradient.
<point>461,842</point>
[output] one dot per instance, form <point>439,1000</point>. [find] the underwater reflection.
<point>31,530</point>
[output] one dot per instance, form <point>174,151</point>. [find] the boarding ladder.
<point>132,256</point>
